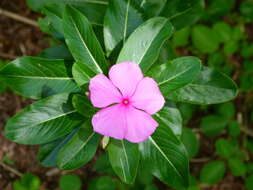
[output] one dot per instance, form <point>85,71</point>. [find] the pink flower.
<point>128,100</point>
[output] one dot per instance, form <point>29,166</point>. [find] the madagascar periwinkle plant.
<point>110,80</point>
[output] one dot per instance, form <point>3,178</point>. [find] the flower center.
<point>125,102</point>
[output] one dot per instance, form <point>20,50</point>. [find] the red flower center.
<point>125,102</point>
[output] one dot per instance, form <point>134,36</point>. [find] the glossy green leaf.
<point>204,39</point>
<point>190,142</point>
<point>171,117</point>
<point>70,181</point>
<point>166,156</point>
<point>144,44</point>
<point>121,19</point>
<point>57,52</point>
<point>213,125</point>
<point>80,149</point>
<point>83,44</point>
<point>36,77</point>
<point>48,152</point>
<point>124,158</point>
<point>183,13</point>
<point>94,10</point>
<point>212,172</point>
<point>210,87</point>
<point>43,121</point>
<point>176,73</point>
<point>152,8</point>
<point>83,105</point>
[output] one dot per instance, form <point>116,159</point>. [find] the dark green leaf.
<point>204,39</point>
<point>36,77</point>
<point>227,110</point>
<point>83,45</point>
<point>121,19</point>
<point>43,121</point>
<point>70,181</point>
<point>176,73</point>
<point>102,183</point>
<point>224,148</point>
<point>181,37</point>
<point>183,13</point>
<point>124,158</point>
<point>83,105</point>
<point>171,118</point>
<point>57,52</point>
<point>234,129</point>
<point>223,31</point>
<point>48,153</point>
<point>211,87</point>
<point>212,172</point>
<point>190,142</point>
<point>80,149</point>
<point>237,166</point>
<point>152,8</point>
<point>144,44</point>
<point>249,182</point>
<point>166,157</point>
<point>213,125</point>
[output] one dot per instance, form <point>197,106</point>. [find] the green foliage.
<point>224,148</point>
<point>190,142</point>
<point>27,182</point>
<point>237,166</point>
<point>212,172</point>
<point>70,181</point>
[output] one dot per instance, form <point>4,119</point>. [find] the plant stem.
<point>5,166</point>
<point>18,17</point>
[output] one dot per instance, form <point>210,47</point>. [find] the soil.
<point>19,39</point>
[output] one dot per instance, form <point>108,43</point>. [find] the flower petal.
<point>147,96</point>
<point>110,121</point>
<point>126,76</point>
<point>102,92</point>
<point>139,125</point>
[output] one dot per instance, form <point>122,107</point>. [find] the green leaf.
<point>219,8</point>
<point>224,148</point>
<point>204,39</point>
<point>166,156</point>
<point>210,87</point>
<point>57,52</point>
<point>144,44</point>
<point>183,13</point>
<point>36,77</point>
<point>48,152</point>
<point>93,10</point>
<point>246,9</point>
<point>231,47</point>
<point>213,125</point>
<point>27,182</point>
<point>83,105</point>
<point>171,117</point>
<point>70,181</point>
<point>152,8</point>
<point>124,158</point>
<point>80,149</point>
<point>83,44</point>
<point>176,73</point>
<point>223,31</point>
<point>181,37</point>
<point>121,19</point>
<point>227,110</point>
<point>212,172</point>
<point>234,129</point>
<point>190,142</point>
<point>43,121</point>
<point>249,182</point>
<point>102,183</point>
<point>237,166</point>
